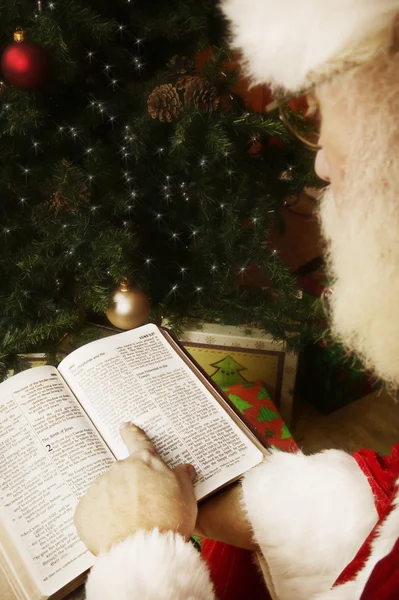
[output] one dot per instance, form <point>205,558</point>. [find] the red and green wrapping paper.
<point>233,571</point>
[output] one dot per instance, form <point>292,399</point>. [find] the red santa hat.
<point>291,43</point>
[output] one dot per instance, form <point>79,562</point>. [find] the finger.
<point>135,440</point>
<point>186,472</point>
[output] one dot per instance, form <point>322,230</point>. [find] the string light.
<point>22,200</point>
<point>148,261</point>
<point>173,289</point>
<point>90,55</point>
<point>158,217</point>
<point>183,271</point>
<point>213,268</point>
<point>107,68</point>
<point>51,5</point>
<point>35,147</point>
<point>138,65</point>
<point>91,177</point>
<point>175,236</point>
<point>89,150</point>
<point>114,84</point>
<point>61,129</point>
<point>198,289</point>
<point>202,162</point>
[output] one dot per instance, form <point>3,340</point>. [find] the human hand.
<point>140,492</point>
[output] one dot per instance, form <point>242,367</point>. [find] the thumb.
<point>186,473</point>
<point>135,439</point>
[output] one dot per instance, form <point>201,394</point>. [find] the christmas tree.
<point>132,162</point>
<point>228,372</point>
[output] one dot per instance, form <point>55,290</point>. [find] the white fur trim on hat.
<point>284,42</point>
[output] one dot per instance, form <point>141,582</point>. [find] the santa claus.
<point>325,526</point>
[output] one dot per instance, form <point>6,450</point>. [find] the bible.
<point>59,430</point>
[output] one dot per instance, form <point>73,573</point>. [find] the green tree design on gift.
<point>267,414</point>
<point>239,403</point>
<point>228,372</point>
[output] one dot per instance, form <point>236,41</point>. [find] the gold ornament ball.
<point>129,307</point>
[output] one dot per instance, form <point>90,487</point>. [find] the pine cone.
<point>183,82</point>
<point>181,65</point>
<point>201,94</point>
<point>164,103</point>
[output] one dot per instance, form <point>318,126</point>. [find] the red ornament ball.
<point>25,65</point>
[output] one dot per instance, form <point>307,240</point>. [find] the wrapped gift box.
<point>238,355</point>
<point>233,570</point>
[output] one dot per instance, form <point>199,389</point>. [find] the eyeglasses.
<point>301,115</point>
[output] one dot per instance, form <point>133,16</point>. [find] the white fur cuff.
<point>286,41</point>
<point>150,566</point>
<point>310,515</point>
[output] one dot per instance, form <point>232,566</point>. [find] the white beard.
<point>363,236</point>
<point>361,220</point>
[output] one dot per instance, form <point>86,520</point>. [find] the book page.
<point>136,376</point>
<point>49,454</point>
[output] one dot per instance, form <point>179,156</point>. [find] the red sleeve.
<point>384,580</point>
<point>382,473</point>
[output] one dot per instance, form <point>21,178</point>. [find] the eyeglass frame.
<point>279,105</point>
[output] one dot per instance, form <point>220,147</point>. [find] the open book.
<point>59,430</point>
